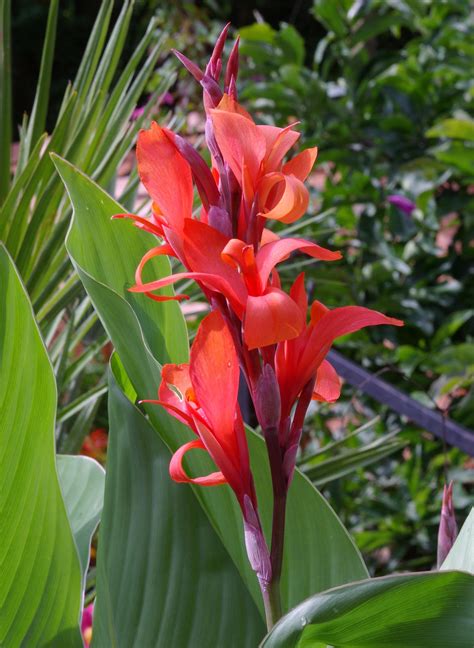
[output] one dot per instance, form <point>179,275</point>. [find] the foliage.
<point>95,129</point>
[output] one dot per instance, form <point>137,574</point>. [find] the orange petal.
<point>178,474</point>
<point>165,174</point>
<point>278,143</point>
<point>301,165</point>
<point>271,318</point>
<point>283,197</point>
<point>240,142</point>
<point>154,252</point>
<point>328,384</point>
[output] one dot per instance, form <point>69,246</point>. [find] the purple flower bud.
<point>203,177</point>
<point>448,529</point>
<point>402,203</point>
<point>257,550</point>
<point>214,66</point>
<point>267,399</point>
<point>191,67</point>
<point>289,463</point>
<point>232,70</point>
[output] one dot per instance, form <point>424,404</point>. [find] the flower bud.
<point>267,399</point>
<point>257,550</point>
<point>448,529</point>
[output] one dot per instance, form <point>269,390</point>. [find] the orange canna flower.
<point>248,280</point>
<point>255,155</point>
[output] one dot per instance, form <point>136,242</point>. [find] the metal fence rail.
<point>432,421</point>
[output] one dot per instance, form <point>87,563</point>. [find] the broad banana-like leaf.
<point>82,484</point>
<point>163,575</point>
<point>40,572</point>
<point>410,610</point>
<point>145,334</point>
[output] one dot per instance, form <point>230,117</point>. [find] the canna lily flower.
<point>203,396</point>
<point>255,155</point>
<point>302,360</point>
<point>248,280</point>
<point>86,623</point>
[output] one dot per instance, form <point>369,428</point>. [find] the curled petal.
<point>271,318</point>
<point>278,143</point>
<point>283,197</point>
<point>154,252</point>
<point>269,255</point>
<point>328,384</point>
<point>165,174</point>
<point>301,165</point>
<point>146,224</point>
<point>178,474</point>
<point>211,281</point>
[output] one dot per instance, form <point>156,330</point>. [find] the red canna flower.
<point>302,359</point>
<point>246,279</point>
<point>203,396</point>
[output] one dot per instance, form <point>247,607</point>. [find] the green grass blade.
<point>37,123</point>
<point>94,47</point>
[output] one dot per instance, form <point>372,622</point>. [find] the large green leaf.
<point>163,576</point>
<point>411,610</point>
<point>461,555</point>
<point>105,254</point>
<point>82,484</point>
<point>40,575</point>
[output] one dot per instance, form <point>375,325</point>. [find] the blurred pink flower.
<point>402,203</point>
<point>86,623</point>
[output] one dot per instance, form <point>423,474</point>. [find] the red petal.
<point>271,318</point>
<point>328,384</point>
<point>165,174</point>
<point>214,372</point>
<point>213,282</point>
<point>298,293</point>
<point>291,200</point>
<point>272,253</point>
<point>178,474</point>
<point>333,324</point>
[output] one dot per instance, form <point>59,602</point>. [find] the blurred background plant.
<point>385,90</point>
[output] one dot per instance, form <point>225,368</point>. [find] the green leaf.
<point>461,555</point>
<point>411,610</point>
<point>40,584</point>
<point>37,123</point>
<point>158,553</point>
<point>82,484</point>
<point>145,333</point>
<point>454,128</point>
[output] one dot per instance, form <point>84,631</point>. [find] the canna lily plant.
<point>255,327</point>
